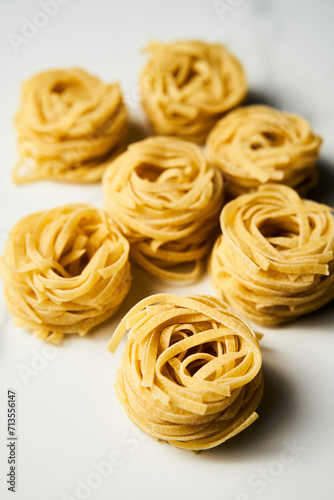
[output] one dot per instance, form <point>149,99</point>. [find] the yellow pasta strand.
<point>191,370</point>
<point>187,85</point>
<point>258,144</point>
<point>65,270</point>
<point>69,126</point>
<point>166,200</point>
<point>274,260</point>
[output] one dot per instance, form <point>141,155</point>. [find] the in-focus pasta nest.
<point>257,144</point>
<point>274,260</point>
<point>65,270</point>
<point>191,370</point>
<point>187,85</point>
<point>166,200</point>
<point>68,125</point>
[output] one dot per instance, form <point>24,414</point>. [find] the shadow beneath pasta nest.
<point>140,288</point>
<point>276,410</point>
<point>323,316</point>
<point>160,285</point>
<point>323,191</point>
<point>137,132</point>
<point>260,97</point>
<point>143,285</point>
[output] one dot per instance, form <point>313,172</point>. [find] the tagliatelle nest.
<point>187,85</point>
<point>274,260</point>
<point>69,124</point>
<point>191,371</point>
<point>257,144</point>
<point>65,270</point>
<point>166,200</point>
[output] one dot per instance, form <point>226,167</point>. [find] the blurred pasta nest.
<point>274,260</point>
<point>191,371</point>
<point>187,85</point>
<point>68,125</point>
<point>65,270</point>
<point>257,144</point>
<point>166,200</point>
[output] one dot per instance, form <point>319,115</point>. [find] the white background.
<point>68,415</point>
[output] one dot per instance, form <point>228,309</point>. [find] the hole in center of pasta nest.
<point>183,78</point>
<point>73,268</point>
<point>279,227</point>
<point>272,138</point>
<point>256,145</point>
<point>59,88</point>
<point>65,92</point>
<point>195,365</point>
<point>149,172</point>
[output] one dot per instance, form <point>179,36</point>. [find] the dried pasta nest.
<point>65,270</point>
<point>69,124</point>
<point>187,85</point>
<point>166,200</point>
<point>191,370</point>
<point>274,261</point>
<point>257,144</point>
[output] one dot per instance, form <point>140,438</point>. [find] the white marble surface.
<point>68,415</point>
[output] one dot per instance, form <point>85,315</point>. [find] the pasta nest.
<point>187,85</point>
<point>274,260</point>
<point>166,200</point>
<point>191,370</point>
<point>257,144</point>
<point>65,270</point>
<point>68,125</point>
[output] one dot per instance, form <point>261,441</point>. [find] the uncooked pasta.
<point>69,124</point>
<point>187,85</point>
<point>65,270</point>
<point>191,370</point>
<point>274,260</point>
<point>166,200</point>
<point>257,144</point>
